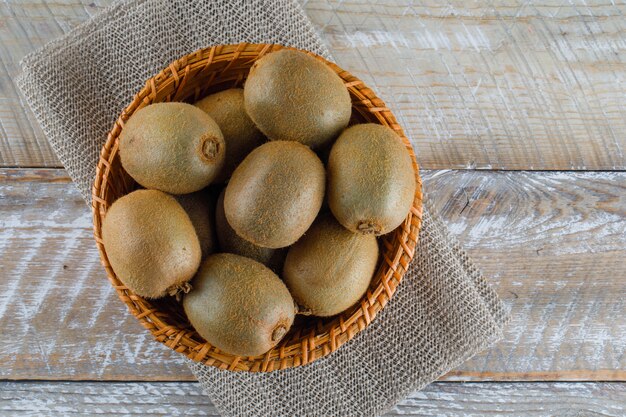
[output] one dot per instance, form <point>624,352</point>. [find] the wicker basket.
<point>189,79</point>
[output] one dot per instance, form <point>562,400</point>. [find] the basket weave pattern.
<point>189,79</point>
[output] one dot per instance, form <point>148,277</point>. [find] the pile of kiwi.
<point>239,218</point>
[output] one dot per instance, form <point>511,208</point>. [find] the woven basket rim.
<point>398,247</point>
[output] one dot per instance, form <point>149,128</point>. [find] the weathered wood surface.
<point>439,399</point>
<point>26,25</point>
<point>553,244</point>
<point>519,84</point>
<point>503,85</point>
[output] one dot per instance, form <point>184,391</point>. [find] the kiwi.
<point>240,133</point>
<point>200,209</point>
<point>293,96</point>
<point>150,243</point>
<point>172,147</point>
<point>239,305</point>
<point>275,194</point>
<point>230,242</point>
<point>330,268</point>
<point>371,181</point>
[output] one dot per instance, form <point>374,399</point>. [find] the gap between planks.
<point>59,174</point>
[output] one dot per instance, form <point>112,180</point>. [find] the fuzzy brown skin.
<point>330,268</point>
<point>150,242</point>
<point>240,133</point>
<point>371,182</point>
<point>200,209</point>
<point>230,242</point>
<point>239,305</point>
<point>275,194</point>
<point>292,96</point>
<point>172,147</point>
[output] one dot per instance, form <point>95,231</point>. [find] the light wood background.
<point>484,89</point>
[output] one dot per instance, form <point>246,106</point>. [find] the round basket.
<point>189,79</point>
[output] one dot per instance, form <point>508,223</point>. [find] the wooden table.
<point>517,111</point>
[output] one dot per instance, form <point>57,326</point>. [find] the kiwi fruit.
<point>200,209</point>
<point>151,243</point>
<point>240,133</point>
<point>172,147</point>
<point>230,242</point>
<point>330,268</point>
<point>239,305</point>
<point>371,181</point>
<point>291,95</point>
<point>275,194</point>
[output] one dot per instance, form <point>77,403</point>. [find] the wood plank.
<point>63,315</point>
<point>26,25</point>
<point>513,85</point>
<point>553,244</point>
<point>502,85</point>
<point>438,399</point>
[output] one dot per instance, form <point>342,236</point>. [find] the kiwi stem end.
<point>209,148</point>
<point>279,332</point>
<point>178,290</point>
<point>368,227</point>
<point>303,311</point>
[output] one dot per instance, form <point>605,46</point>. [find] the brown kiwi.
<point>151,244</point>
<point>230,242</point>
<point>292,96</point>
<point>275,194</point>
<point>371,181</point>
<point>239,305</point>
<point>240,133</point>
<point>172,147</point>
<point>200,209</point>
<point>330,268</point>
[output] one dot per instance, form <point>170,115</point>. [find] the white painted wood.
<point>104,399</point>
<point>502,85</point>
<point>26,25</point>
<point>516,84</point>
<point>553,245</point>
<point>439,399</point>
<point>63,316</point>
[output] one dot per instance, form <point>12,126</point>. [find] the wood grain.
<point>439,399</point>
<point>553,245</point>
<point>488,84</point>
<point>26,25</point>
<point>502,85</point>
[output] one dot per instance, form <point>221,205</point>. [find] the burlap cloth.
<point>444,311</point>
